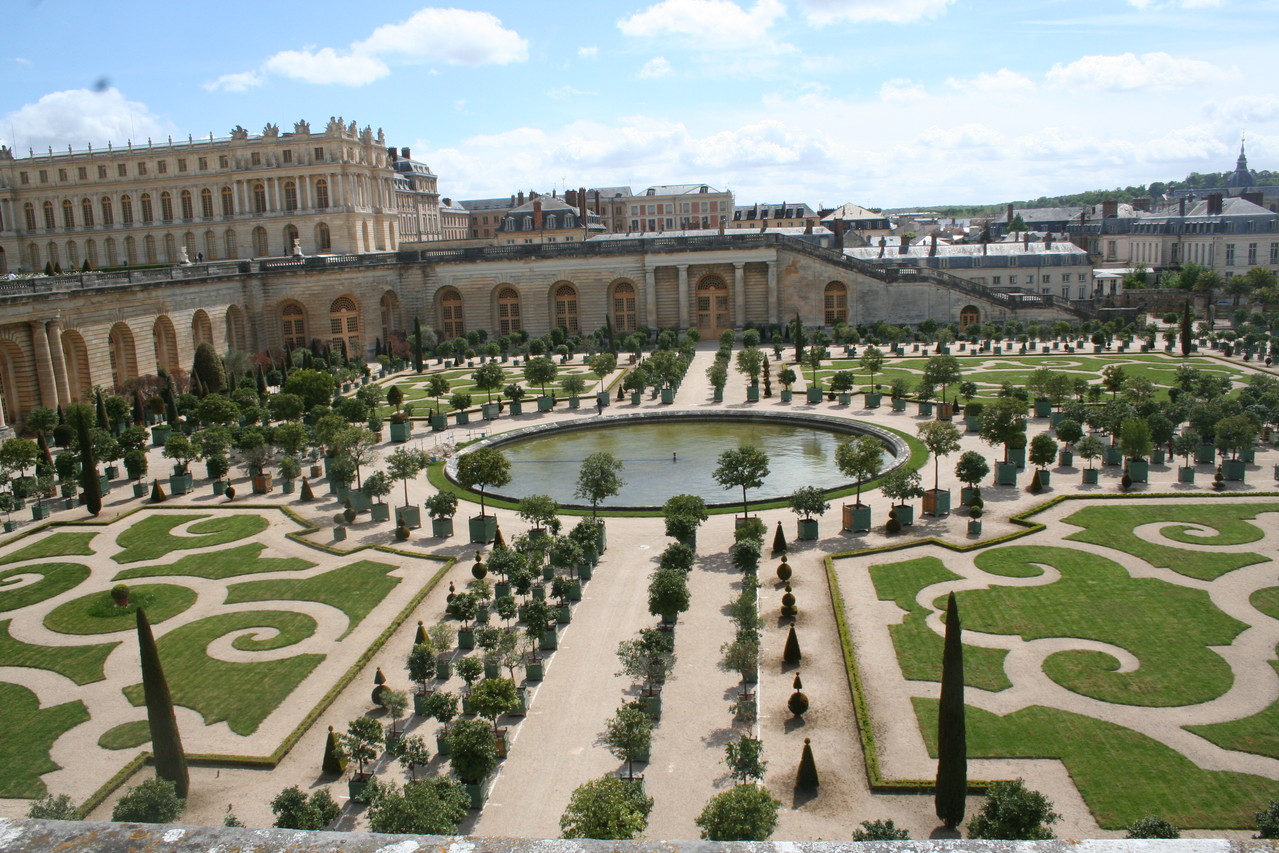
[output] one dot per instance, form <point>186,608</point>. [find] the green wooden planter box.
<point>160,434</point>
<point>873,400</point>
<point>906,512</point>
<point>40,511</point>
<point>381,512</point>
<point>668,395</point>
<point>483,528</point>
<point>401,432</point>
<point>180,484</point>
<point>490,411</point>
<point>564,614</point>
<point>936,502</point>
<point>575,402</point>
<point>534,671</point>
<point>966,495</point>
<point>462,417</point>
<point>550,641</point>
<point>1233,469</point>
<point>926,408</point>
<point>1066,459</point>
<point>652,704</point>
<point>974,527</point>
<point>845,399</point>
<point>360,502</point>
<point>1186,474</point>
<point>1090,476</point>
<point>1139,470</point>
<point>899,404</point>
<point>443,669</point>
<point>441,745</point>
<point>1005,473</point>
<point>478,792</point>
<point>1017,456</point>
<point>545,404</point>
<point>857,518</point>
<point>355,786</point>
<point>439,423</point>
<point>585,572</point>
<point>1249,455</point>
<point>466,638</point>
<point>339,534</point>
<point>1043,408</point>
<point>814,394</point>
<point>807,529</point>
<point>752,393</point>
<point>1206,453</point>
<point>219,487</point>
<point>411,516</point>
<point>603,398</point>
<point>787,396</point>
<point>441,528</point>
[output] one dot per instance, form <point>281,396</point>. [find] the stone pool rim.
<point>892,441</point>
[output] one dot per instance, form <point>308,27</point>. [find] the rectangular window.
<point>122,170</point>
<point>24,178</point>
<point>102,172</point>
<point>1012,279</point>
<point>1274,253</point>
<point>182,165</point>
<point>142,168</point>
<point>1083,293</point>
<point>318,153</point>
<point>1065,277</point>
<point>255,158</point>
<point>1252,254</point>
<point>997,279</point>
<point>1065,293</point>
<point>162,167</point>
<point>1083,276</point>
<point>1047,279</point>
<point>44,176</point>
<point>62,174</point>
<point>288,156</point>
<point>1230,254</point>
<point>83,173</point>
<point>203,164</point>
<point>224,162</point>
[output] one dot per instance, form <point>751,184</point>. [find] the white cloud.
<point>237,82</point>
<point>1245,109</point>
<point>1181,4</point>
<point>450,36</point>
<point>22,60</point>
<point>708,24</point>
<point>1001,82</point>
<point>1128,72</point>
<point>80,117</point>
<point>889,11</point>
<point>655,67</point>
<point>901,89</point>
<point>588,52</point>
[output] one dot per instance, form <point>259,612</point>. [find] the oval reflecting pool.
<point>668,455</point>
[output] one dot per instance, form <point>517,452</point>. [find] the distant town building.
<point>544,219</point>
<point>854,225</point>
<point>679,206</point>
<point>417,198</point>
<point>784,215</point>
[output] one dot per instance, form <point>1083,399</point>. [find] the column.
<point>772,292</point>
<point>54,330</point>
<point>275,195</point>
<point>241,191</point>
<point>683,296</point>
<point>739,294</point>
<point>44,365</point>
<point>304,192</point>
<point>650,297</point>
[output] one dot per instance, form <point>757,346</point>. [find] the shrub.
<point>879,830</point>
<point>52,807</point>
<point>426,807</point>
<point>1153,827</point>
<point>154,801</point>
<point>742,813</point>
<point>1268,821</point>
<point>294,810</point>
<point>607,807</point>
<point>1013,812</point>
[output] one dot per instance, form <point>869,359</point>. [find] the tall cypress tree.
<point>952,737</point>
<point>1185,328</point>
<point>799,339</point>
<point>166,742</point>
<point>417,345</point>
<point>81,418</point>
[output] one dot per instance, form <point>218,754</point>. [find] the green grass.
<point>1267,601</point>
<point>81,664</point>
<point>1166,626</point>
<point>64,544</point>
<point>414,386</point>
<point>1258,734</point>
<point>220,565</point>
<point>98,614</point>
<point>918,647</point>
<point>126,735</point>
<point>1115,526</point>
<point>355,590</point>
<point>152,537</point>
<point>29,733</point>
<point>241,694</point>
<point>56,578</point>
<point>1122,775</point>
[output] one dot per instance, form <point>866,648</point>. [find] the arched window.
<point>29,210</point>
<point>228,202</point>
<point>124,357</point>
<point>321,193</point>
<point>91,253</point>
<point>86,213</point>
<point>166,206</point>
<point>108,217</point>
<point>33,256</point>
<point>201,328</point>
<point>836,303</point>
<point>624,317</point>
<point>235,337</point>
<point>510,223</point>
<point>968,316</point>
<point>52,250</point>
<point>713,315</point>
<point>290,235</point>
<point>323,239</point>
<point>550,222</point>
<point>206,203</point>
<point>165,340</point>
<point>130,250</point>
<point>126,210</point>
<point>148,243</point>
<point>210,246</point>
<point>293,326</point>
<point>451,323</point>
<point>259,198</point>
<point>68,214</point>
<point>260,248</point>
<point>48,215</point>
<point>73,255</point>
<point>188,207</point>
<point>76,357</point>
<point>566,308</point>
<point>392,322</point>
<point>111,255</point>
<point>232,250</point>
<point>528,223</point>
<point>148,213</point>
<point>344,326</point>
<point>508,311</point>
<point>290,195</point>
<point>170,249</point>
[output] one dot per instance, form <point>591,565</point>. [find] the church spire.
<point>1241,178</point>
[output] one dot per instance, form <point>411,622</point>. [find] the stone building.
<point>455,220</point>
<point>242,196</point>
<point>784,215</point>
<point>678,206</point>
<point>417,198</point>
<point>55,344</point>
<point>544,219</point>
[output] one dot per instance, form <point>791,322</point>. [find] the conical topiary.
<point>783,570</point>
<point>499,541</point>
<point>166,742</point>
<point>1036,486</point>
<point>807,778</point>
<point>307,494</point>
<point>479,570</point>
<point>791,653</point>
<point>779,541</point>
<point>420,637</point>
<point>334,758</point>
<point>798,702</point>
<point>403,533</point>
<point>157,492</point>
<point>379,686</point>
<point>952,733</point>
<point>452,592</point>
<point>788,603</point>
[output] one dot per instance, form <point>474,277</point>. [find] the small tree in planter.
<point>481,469</point>
<point>376,486</point>
<point>404,464</point>
<point>629,736</point>
<point>742,656</point>
<point>1090,447</point>
<point>606,808</point>
<point>493,698</point>
<point>971,469</point>
<point>442,706</point>
<point>135,465</point>
<point>684,514</point>
<point>744,467</point>
<point>806,502</point>
<point>1136,444</point>
<point>361,743</point>
<point>573,385</point>
<point>1068,432</point>
<point>872,361</point>
<point>902,485</point>
<point>1043,450</point>
<point>1185,445</point>
<point>598,478</point>
<point>942,439</point>
<point>859,459</point>
<point>541,512</point>
<point>668,594</point>
<point>473,755</point>
<point>396,702</point>
<point>441,507</point>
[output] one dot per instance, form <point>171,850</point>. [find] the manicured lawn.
<point>1115,526</point>
<point>56,578</point>
<point>414,386</point>
<point>151,537</point>
<point>81,664</point>
<point>64,544</point>
<point>1121,774</point>
<point>126,735</point>
<point>1166,626</point>
<point>355,590</point>
<point>29,734</point>
<point>918,647</point>
<point>97,613</point>
<point>242,694</point>
<point>219,565</point>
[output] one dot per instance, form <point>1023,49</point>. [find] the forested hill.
<point>1195,180</point>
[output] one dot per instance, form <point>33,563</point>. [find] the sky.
<point>886,103</point>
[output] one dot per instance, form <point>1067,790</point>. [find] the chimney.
<point>520,198</point>
<point>1142,204</point>
<point>904,247</point>
<point>1109,209</point>
<point>883,241</point>
<point>808,226</point>
<point>1010,214</point>
<point>932,246</point>
<point>985,248</point>
<point>838,226</point>
<point>1256,198</point>
<point>1181,206</point>
<point>537,215</point>
<point>1025,241</point>
<point>1048,240</point>
<point>1214,204</point>
<point>570,198</point>
<point>597,202</point>
<point>406,154</point>
<point>512,200</point>
<point>390,152</point>
<point>448,202</point>
<point>581,204</point>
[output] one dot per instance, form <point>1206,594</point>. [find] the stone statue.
<point>334,126</point>
<point>297,248</point>
<point>381,139</point>
<point>302,127</point>
<point>5,153</point>
<point>183,258</point>
<point>271,130</point>
<point>238,132</point>
<point>351,130</point>
<point>366,135</point>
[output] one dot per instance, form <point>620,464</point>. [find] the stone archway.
<point>76,356</point>
<point>714,311</point>
<point>969,316</point>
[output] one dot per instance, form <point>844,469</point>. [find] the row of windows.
<point>161,167</point>
<point>685,207</point>
<point>548,223</point>
<point>1030,279</point>
<point>186,202</point>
